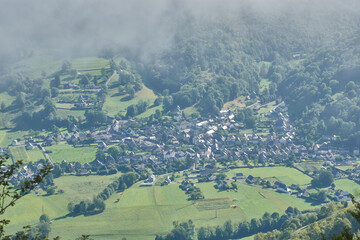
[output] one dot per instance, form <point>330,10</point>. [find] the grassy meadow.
<point>116,103</point>
<point>142,212</point>
<point>64,151</point>
<point>286,175</point>
<point>19,153</point>
<point>349,186</point>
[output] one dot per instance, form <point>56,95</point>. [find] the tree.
<point>323,179</point>
<point>84,80</point>
<point>55,82</point>
<point>100,155</point>
<point>131,111</point>
<point>54,92</point>
<point>10,195</point>
<point>3,107</point>
<point>66,66</point>
<point>20,100</point>
<point>44,218</point>
<point>114,151</point>
<point>95,117</point>
<point>44,229</point>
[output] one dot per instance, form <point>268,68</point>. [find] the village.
<point>205,147</point>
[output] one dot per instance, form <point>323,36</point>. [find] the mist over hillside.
<point>148,27</point>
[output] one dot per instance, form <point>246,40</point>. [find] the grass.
<point>66,112</point>
<point>35,154</point>
<point>253,201</point>
<point>41,60</point>
<point>19,153</point>
<point>236,103</point>
<point>309,166</point>
<point>115,103</point>
<point>264,83</point>
<point>284,174</point>
<point>143,212</point>
<point>77,188</point>
<point>90,63</point>
<point>29,209</point>
<point>349,186</point>
<point>7,136</point>
<point>189,111</point>
<point>64,151</point>
<point>345,167</point>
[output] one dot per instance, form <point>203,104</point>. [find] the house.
<point>102,146</point>
<point>281,187</point>
<point>149,182</point>
<point>14,143</point>
<point>29,146</point>
<point>342,196</point>
<point>185,185</point>
<point>222,185</point>
<point>167,181</point>
<point>207,170</point>
<point>251,179</point>
<point>239,176</point>
<point>303,193</point>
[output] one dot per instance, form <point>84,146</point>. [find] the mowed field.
<point>19,153</point>
<point>142,212</point>
<point>349,186</point>
<point>116,103</point>
<point>64,151</point>
<point>29,209</point>
<point>35,154</point>
<point>7,136</point>
<point>286,175</point>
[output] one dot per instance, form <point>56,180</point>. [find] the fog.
<point>142,26</point>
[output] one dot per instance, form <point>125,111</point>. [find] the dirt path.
<point>111,77</point>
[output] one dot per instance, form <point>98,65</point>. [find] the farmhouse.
<point>29,146</point>
<point>342,196</point>
<point>239,176</point>
<point>281,187</point>
<point>149,182</point>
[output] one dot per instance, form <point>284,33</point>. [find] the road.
<point>111,77</point>
<point>45,153</point>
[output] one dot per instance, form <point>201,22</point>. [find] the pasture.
<point>19,153</point>
<point>142,212</point>
<point>76,188</point>
<point>349,186</point>
<point>35,154</point>
<point>64,151</point>
<point>309,166</point>
<point>7,136</point>
<point>90,64</point>
<point>116,103</point>
<point>286,175</point>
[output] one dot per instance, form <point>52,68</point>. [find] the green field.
<point>349,186</point>
<point>90,63</point>
<point>35,154</point>
<point>29,209</point>
<point>115,103</point>
<point>66,112</point>
<point>143,212</point>
<point>309,166</point>
<point>78,188</point>
<point>64,151</point>
<point>7,136</point>
<point>283,174</point>
<point>19,153</point>
<point>253,201</point>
